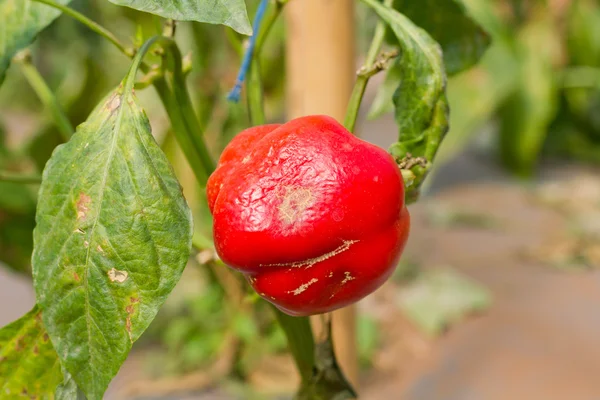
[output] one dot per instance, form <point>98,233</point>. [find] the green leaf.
<point>441,297</point>
<point>421,107</point>
<point>112,238</point>
<point>448,22</point>
<point>21,21</point>
<point>423,78</point>
<point>29,366</point>
<point>227,12</point>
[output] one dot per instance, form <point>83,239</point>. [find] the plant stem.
<point>139,57</point>
<point>174,95</point>
<point>255,94</point>
<point>94,26</point>
<point>234,94</point>
<point>186,136</point>
<point>267,24</point>
<point>45,95</point>
<point>300,341</point>
<point>173,92</point>
<point>362,79</point>
<point>20,178</point>
<point>187,110</point>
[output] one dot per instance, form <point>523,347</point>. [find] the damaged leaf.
<point>112,238</point>
<point>29,366</point>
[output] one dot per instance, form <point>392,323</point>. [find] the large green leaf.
<point>421,107</point>
<point>20,22</point>
<point>227,12</point>
<point>112,238</point>
<point>29,366</point>
<point>463,41</point>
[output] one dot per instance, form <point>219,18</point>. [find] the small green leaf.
<point>227,12</point>
<point>29,366</point>
<point>112,238</point>
<point>420,102</point>
<point>449,23</point>
<point>20,22</point>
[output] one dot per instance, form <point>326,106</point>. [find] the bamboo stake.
<point>320,75</point>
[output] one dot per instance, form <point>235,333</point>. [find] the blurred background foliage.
<point>535,94</point>
<point>536,89</point>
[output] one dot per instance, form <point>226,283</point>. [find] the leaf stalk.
<point>363,74</point>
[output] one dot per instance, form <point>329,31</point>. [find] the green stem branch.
<point>173,93</point>
<point>300,341</point>
<point>268,24</point>
<point>363,76</point>
<point>45,95</point>
<point>255,94</point>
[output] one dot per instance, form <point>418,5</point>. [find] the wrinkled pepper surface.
<point>313,216</point>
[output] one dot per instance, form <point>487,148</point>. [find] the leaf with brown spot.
<point>28,365</point>
<point>83,205</point>
<point>89,223</point>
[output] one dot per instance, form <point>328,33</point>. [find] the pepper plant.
<point>314,217</point>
